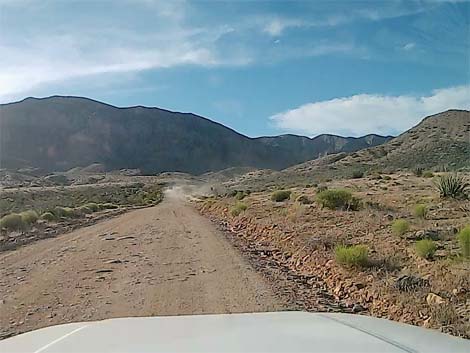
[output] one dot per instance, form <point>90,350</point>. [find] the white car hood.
<point>259,332</point>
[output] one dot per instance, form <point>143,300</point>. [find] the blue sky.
<point>260,67</point>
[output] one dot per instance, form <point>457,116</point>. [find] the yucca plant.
<point>451,186</point>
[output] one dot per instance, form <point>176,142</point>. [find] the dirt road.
<point>163,260</point>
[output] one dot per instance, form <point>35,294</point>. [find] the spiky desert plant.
<point>425,248</point>
<point>451,186</point>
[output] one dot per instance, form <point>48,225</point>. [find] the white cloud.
<point>275,26</point>
<point>20,73</point>
<point>370,113</point>
<point>37,55</point>
<point>92,39</point>
<point>409,46</point>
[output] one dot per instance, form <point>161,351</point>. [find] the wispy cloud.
<point>409,46</point>
<point>276,25</point>
<point>369,113</point>
<point>93,39</point>
<point>33,57</point>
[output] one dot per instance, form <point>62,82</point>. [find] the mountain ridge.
<point>188,113</point>
<point>61,132</point>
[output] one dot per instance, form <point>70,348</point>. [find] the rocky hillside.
<point>438,142</point>
<point>60,133</point>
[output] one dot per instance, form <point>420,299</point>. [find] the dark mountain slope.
<point>59,133</point>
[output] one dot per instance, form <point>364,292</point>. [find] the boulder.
<point>434,299</point>
<point>407,283</point>
<point>432,234</point>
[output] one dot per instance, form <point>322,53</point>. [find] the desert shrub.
<point>81,211</point>
<point>386,177</point>
<point>418,171</point>
<point>304,200</point>
<point>48,216</point>
<point>235,211</point>
<point>444,314</point>
<point>240,195</point>
<point>425,248</point>
<point>242,206</point>
<point>29,217</point>
<point>64,212</point>
<point>451,186</point>
<point>420,211</point>
<point>321,188</point>
<point>357,174</point>
<point>400,226</point>
<point>108,206</point>
<point>338,199</point>
<point>374,175</point>
<point>85,210</point>
<point>464,241</point>
<point>280,195</point>
<point>355,255</point>
<point>11,222</point>
<point>428,174</point>
<point>93,206</point>
<point>238,208</point>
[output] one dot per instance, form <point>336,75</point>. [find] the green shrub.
<point>12,221</point>
<point>238,208</point>
<point>85,210</point>
<point>451,186</point>
<point>357,174</point>
<point>418,171</point>
<point>240,195</point>
<point>64,212</point>
<point>420,211</point>
<point>464,241</point>
<point>338,199</point>
<point>400,226</point>
<point>48,216</point>
<point>386,177</point>
<point>93,206</point>
<point>356,255</point>
<point>428,174</point>
<point>425,248</point>
<point>29,217</point>
<point>108,206</point>
<point>280,195</point>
